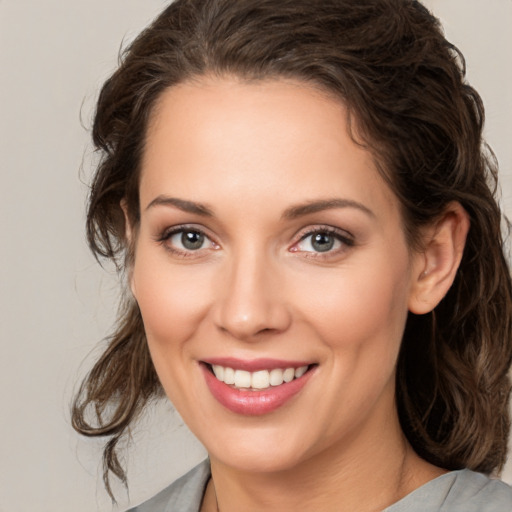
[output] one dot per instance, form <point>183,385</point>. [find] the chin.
<point>260,451</point>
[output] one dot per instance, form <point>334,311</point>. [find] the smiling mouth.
<point>244,380</point>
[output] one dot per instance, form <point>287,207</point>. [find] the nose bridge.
<point>251,302</point>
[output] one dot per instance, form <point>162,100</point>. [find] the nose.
<point>250,300</point>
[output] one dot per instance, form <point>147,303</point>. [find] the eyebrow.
<point>181,204</point>
<point>290,213</point>
<point>324,204</point>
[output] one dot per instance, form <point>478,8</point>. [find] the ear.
<point>129,234</point>
<point>434,268</point>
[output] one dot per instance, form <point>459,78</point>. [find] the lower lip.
<point>253,403</point>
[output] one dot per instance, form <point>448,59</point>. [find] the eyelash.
<point>345,239</point>
<point>169,233</point>
<point>342,237</point>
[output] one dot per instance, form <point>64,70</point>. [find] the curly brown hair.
<point>390,64</point>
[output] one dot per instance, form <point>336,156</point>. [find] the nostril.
<point>266,330</point>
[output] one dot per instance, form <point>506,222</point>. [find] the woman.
<point>299,196</point>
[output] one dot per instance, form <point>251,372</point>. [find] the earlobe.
<point>435,268</point>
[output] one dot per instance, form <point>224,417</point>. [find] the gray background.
<point>56,303</point>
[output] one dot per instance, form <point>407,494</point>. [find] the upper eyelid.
<point>345,238</point>
<point>164,236</point>
<point>342,233</point>
<point>172,230</point>
<point>301,234</point>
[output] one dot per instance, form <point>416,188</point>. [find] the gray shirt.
<point>457,491</point>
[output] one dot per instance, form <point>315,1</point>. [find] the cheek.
<point>359,316</point>
<point>172,299</point>
<point>360,308</point>
<point>173,302</point>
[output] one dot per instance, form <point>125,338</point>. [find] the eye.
<point>184,241</point>
<point>323,241</point>
<point>188,240</point>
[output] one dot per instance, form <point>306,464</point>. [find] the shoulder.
<point>185,494</point>
<point>458,491</point>
<point>476,490</point>
<point>486,494</point>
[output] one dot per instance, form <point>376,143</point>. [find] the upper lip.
<point>254,365</point>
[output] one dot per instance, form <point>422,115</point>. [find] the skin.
<point>250,153</point>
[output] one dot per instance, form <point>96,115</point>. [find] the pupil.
<point>323,242</point>
<point>192,240</point>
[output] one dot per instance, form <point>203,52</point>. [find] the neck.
<point>369,476</point>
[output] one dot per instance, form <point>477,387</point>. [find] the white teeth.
<point>242,379</point>
<point>276,377</point>
<point>289,374</point>
<point>218,371</point>
<point>299,372</point>
<point>229,376</point>
<point>261,379</point>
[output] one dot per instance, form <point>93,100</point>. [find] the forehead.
<point>224,139</point>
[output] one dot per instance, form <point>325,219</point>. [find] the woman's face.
<point>269,246</point>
